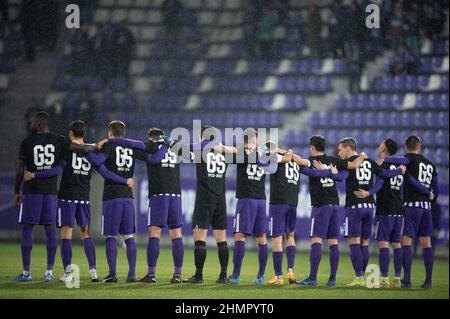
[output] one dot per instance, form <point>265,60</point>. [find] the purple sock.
<point>366,257</point>
<point>334,260</point>
<point>263,255</point>
<point>89,250</point>
<point>66,254</point>
<point>384,259</point>
<point>26,244</point>
<point>178,255</point>
<point>152,254</point>
<point>238,256</point>
<point>314,259</point>
<point>407,262</point>
<point>50,234</point>
<point>357,259</point>
<point>277,257</point>
<point>398,262</point>
<point>290,256</point>
<point>131,256</point>
<point>111,254</point>
<point>428,260</point>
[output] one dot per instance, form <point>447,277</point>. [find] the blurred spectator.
<point>4,17</point>
<point>396,26</point>
<point>35,106</point>
<point>102,50</point>
<point>250,23</point>
<point>80,56</point>
<point>297,25</point>
<point>355,65</point>
<point>338,26</point>
<point>403,62</point>
<point>314,29</point>
<point>49,23</point>
<point>265,31</point>
<point>411,33</point>
<point>31,31</point>
<point>282,8</point>
<point>172,14</point>
<point>123,49</point>
<point>86,108</point>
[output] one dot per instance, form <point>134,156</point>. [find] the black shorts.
<point>210,214</point>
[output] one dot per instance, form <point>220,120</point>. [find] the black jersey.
<point>323,189</point>
<point>40,152</point>
<point>76,177</point>
<point>164,177</point>
<point>390,196</point>
<point>285,184</point>
<point>121,161</point>
<point>211,177</point>
<point>250,179</point>
<point>361,178</point>
<point>423,170</point>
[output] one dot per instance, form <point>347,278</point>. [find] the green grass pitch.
<point>10,266</point>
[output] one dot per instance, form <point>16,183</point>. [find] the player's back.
<point>76,177</point>
<point>121,161</point>
<point>164,177</point>
<point>323,189</point>
<point>42,151</point>
<point>211,178</point>
<point>285,184</point>
<point>423,170</point>
<point>389,199</point>
<point>250,179</point>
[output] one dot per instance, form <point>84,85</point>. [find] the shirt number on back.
<point>44,155</point>
<point>425,174</point>
<point>364,172</point>
<point>124,157</point>
<point>170,158</point>
<point>254,170</point>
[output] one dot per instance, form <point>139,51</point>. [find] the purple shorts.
<point>118,217</point>
<point>325,222</point>
<point>37,209</point>
<point>359,222</point>
<point>165,211</point>
<point>71,210</point>
<point>388,228</point>
<point>250,217</point>
<point>282,219</point>
<point>418,222</point>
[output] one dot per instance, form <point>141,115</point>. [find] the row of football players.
<point>405,186</point>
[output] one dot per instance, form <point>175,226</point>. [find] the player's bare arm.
<point>300,160</point>
<point>357,162</point>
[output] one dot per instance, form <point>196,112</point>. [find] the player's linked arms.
<point>357,162</point>
<point>300,160</point>
<point>48,173</point>
<point>20,168</point>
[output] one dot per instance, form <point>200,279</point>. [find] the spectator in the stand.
<point>356,27</point>
<point>282,8</point>
<point>172,15</point>
<point>49,23</point>
<point>296,21</point>
<point>29,18</point>
<point>314,29</point>
<point>433,17</point>
<point>102,48</point>
<point>81,56</point>
<point>86,108</point>
<point>338,28</point>
<point>123,49</point>
<point>396,25</point>
<point>411,33</point>
<point>355,65</point>
<point>4,17</point>
<point>265,33</point>
<point>403,62</point>
<point>35,106</point>
<point>250,23</point>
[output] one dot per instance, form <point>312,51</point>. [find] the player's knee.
<point>396,246</point>
<point>425,242</point>
<point>125,237</point>
<point>354,240</point>
<point>383,244</point>
<point>332,242</point>
<point>84,233</point>
<point>239,236</point>
<point>316,240</point>
<point>261,240</point>
<point>155,232</point>
<point>406,241</point>
<point>175,233</point>
<point>66,233</point>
